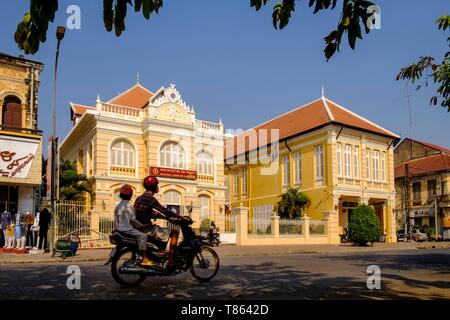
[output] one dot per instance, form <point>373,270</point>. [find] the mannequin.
<point>35,231</point>
<point>10,240</point>
<point>29,220</point>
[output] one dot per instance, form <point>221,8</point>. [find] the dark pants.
<point>43,235</point>
<point>29,236</point>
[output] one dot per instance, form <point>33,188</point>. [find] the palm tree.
<point>72,186</point>
<point>291,204</point>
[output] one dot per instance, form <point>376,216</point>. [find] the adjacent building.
<point>20,139</point>
<point>422,179</point>
<point>140,132</point>
<point>336,157</point>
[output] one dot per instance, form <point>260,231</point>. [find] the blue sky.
<point>228,61</point>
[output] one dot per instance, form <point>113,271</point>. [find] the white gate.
<point>229,233</point>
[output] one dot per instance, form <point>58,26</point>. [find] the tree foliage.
<point>291,204</point>
<point>427,68</point>
<point>32,30</point>
<point>364,225</point>
<point>72,186</point>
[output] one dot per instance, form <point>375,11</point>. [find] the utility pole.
<point>60,31</point>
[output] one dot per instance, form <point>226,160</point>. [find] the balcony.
<point>209,126</point>
<point>204,179</point>
<point>120,110</point>
<point>123,171</point>
<point>12,130</point>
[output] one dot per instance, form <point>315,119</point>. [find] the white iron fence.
<point>317,227</point>
<point>261,223</point>
<point>291,226</point>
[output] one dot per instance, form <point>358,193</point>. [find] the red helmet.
<point>150,183</point>
<point>126,191</point>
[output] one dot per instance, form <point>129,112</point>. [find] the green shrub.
<point>363,226</point>
<point>205,224</point>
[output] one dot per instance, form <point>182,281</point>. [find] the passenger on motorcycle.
<point>126,223</point>
<point>147,207</point>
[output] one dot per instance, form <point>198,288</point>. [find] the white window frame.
<point>244,182</point>
<point>286,171</point>
<point>339,159</point>
<point>171,155</point>
<point>121,156</point>
<point>383,166</point>
<point>205,210</point>
<point>356,162</point>
<point>368,161</point>
<point>376,165</point>
<point>205,163</point>
<point>297,168</point>
<point>319,165</point>
<point>348,161</point>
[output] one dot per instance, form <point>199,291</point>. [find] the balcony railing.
<point>123,171</point>
<point>112,108</point>
<point>207,125</point>
<point>21,130</point>
<point>204,179</point>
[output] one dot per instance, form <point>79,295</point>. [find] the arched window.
<point>122,154</point>
<point>205,163</point>
<point>11,113</point>
<point>172,200</point>
<point>204,202</point>
<point>172,155</point>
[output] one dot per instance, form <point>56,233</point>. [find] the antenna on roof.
<point>137,78</point>
<point>323,91</point>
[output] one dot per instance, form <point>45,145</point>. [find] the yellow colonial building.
<point>336,157</point>
<point>140,132</point>
<point>20,139</point>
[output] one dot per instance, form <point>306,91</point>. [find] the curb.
<point>249,254</point>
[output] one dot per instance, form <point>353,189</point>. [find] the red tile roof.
<point>313,115</point>
<point>135,97</point>
<point>434,163</point>
<point>79,109</point>
<point>433,146</point>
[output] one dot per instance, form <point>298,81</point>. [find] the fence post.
<point>275,227</point>
<point>333,226</point>
<point>305,225</point>
<point>95,222</point>
<point>241,213</point>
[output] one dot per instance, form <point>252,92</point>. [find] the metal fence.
<point>317,227</point>
<point>291,226</point>
<point>230,223</point>
<point>260,223</point>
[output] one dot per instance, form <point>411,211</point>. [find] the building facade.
<point>337,158</point>
<point>20,139</point>
<point>139,133</point>
<point>422,179</point>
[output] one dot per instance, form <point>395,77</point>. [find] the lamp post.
<point>60,31</point>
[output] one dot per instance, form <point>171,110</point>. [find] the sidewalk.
<point>102,255</point>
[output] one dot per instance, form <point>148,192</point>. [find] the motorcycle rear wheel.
<point>121,259</point>
<point>205,264</point>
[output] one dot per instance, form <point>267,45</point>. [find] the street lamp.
<point>60,31</point>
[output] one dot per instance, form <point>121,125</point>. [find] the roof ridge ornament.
<point>323,91</point>
<point>171,94</point>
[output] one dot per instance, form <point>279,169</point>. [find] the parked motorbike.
<point>193,253</point>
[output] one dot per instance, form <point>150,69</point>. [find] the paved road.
<point>423,274</point>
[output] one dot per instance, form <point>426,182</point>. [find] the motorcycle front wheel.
<point>126,258</point>
<point>205,264</point>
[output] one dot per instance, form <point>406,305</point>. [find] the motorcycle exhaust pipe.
<point>135,270</point>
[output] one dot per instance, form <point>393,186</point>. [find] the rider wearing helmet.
<point>126,223</point>
<point>146,205</point>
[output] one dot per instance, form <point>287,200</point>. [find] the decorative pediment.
<point>169,94</point>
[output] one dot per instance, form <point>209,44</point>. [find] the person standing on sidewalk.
<point>44,224</point>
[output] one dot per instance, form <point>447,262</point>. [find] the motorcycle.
<point>193,253</point>
<point>214,237</point>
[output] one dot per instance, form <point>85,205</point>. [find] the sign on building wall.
<point>16,158</point>
<point>173,173</point>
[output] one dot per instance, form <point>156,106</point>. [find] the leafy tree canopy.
<point>32,30</point>
<point>291,204</point>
